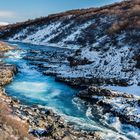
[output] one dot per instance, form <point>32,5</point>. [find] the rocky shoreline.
<point>44,123</point>
<point>41,123</point>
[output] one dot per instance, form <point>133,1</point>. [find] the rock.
<point>97,91</point>
<point>41,133</point>
<point>4,47</point>
<point>137,59</point>
<point>119,104</point>
<point>76,62</point>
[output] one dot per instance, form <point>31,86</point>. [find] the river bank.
<point>11,127</point>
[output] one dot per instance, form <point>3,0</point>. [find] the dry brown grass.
<point>118,26</point>
<point>11,127</point>
<point>129,14</point>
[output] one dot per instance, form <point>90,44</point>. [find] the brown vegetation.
<point>129,16</point>
<point>11,127</point>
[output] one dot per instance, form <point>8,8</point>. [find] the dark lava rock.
<point>98,91</point>
<point>75,61</point>
<point>137,59</point>
<point>41,133</point>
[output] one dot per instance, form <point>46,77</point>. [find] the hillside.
<point>106,40</point>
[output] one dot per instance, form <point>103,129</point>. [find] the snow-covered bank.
<point>122,105</point>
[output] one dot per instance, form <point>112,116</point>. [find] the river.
<point>30,86</point>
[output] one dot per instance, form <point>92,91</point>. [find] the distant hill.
<point>3,23</point>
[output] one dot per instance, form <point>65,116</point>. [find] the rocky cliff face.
<point>106,40</point>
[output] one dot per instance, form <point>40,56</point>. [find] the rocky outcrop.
<point>85,82</point>
<point>97,91</point>
<point>119,104</point>
<point>6,73</point>
<point>76,62</point>
<point>4,47</point>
